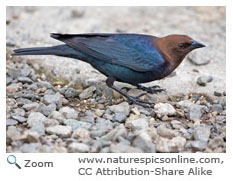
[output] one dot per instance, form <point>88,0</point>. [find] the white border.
<point>66,168</point>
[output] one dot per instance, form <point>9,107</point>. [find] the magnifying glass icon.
<point>11,159</point>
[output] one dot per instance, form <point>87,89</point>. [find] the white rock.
<point>144,142</point>
<point>201,133</point>
<point>118,148</point>
<point>69,113</point>
<point>58,116</point>
<point>166,145</point>
<point>35,118</point>
<point>117,132</point>
<point>137,124</point>
<point>164,109</point>
<point>122,107</point>
<point>63,131</point>
<point>87,93</point>
<point>165,132</point>
<point>78,148</point>
<point>81,133</point>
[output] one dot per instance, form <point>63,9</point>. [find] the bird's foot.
<point>151,90</point>
<point>140,102</point>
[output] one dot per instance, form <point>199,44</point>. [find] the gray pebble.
<point>14,73</point>
<point>218,94</point>
<point>122,107</point>
<point>58,116</point>
<point>31,106</point>
<point>166,145</point>
<point>25,80</point>
<point>69,113</point>
<point>197,145</point>
<point>196,112</point>
<point>18,112</point>
<point>30,148</point>
<point>45,84</point>
<point>8,80</point>
<point>20,119</point>
<point>77,124</point>
<point>114,134</point>
<point>177,124</point>
<point>99,113</point>
<point>164,109</point>
<point>30,136</point>
<point>11,122</point>
<point>78,148</point>
<point>203,80</point>
<point>108,116</point>
<point>35,118</point>
<point>217,108</point>
<point>50,122</point>
<point>77,13</point>
<point>165,132</point>
<point>119,117</point>
<point>81,133</point>
<point>49,92</point>
<point>22,101</point>
<point>25,72</point>
<point>144,142</point>
<point>89,119</point>
<point>12,88</point>
<point>89,113</point>
<point>184,104</point>
<point>61,131</point>
<point>119,148</point>
<point>137,124</point>
<point>87,93</point>
<point>71,93</point>
<point>103,124</point>
<point>53,99</point>
<point>39,128</point>
<point>98,133</point>
<point>46,110</point>
<point>222,101</point>
<point>216,142</point>
<point>201,133</point>
<point>12,132</point>
<point>199,58</point>
<point>73,123</point>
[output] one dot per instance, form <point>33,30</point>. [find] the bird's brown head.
<point>175,47</point>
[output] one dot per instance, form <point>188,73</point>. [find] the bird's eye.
<point>181,45</point>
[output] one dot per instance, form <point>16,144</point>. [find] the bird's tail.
<point>55,50</point>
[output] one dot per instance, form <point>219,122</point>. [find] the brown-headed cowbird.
<point>129,58</point>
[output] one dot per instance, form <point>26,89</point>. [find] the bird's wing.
<point>133,52</point>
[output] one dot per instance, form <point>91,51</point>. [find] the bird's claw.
<point>151,90</point>
<point>140,102</point>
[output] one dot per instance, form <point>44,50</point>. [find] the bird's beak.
<point>196,44</point>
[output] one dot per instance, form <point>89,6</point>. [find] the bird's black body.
<point>129,58</point>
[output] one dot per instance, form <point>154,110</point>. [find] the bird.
<point>129,58</point>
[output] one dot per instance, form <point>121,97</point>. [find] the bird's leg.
<point>151,90</point>
<point>136,100</point>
